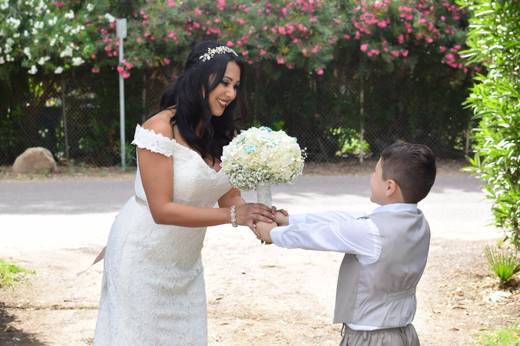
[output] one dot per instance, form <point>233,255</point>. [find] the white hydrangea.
<point>110,17</point>
<point>69,15</point>
<point>77,61</point>
<point>262,156</point>
<point>13,22</point>
<point>52,21</point>
<point>33,69</point>
<point>90,7</point>
<point>66,52</point>
<point>27,52</point>
<point>58,70</point>
<point>43,60</point>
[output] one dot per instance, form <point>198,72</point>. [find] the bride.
<point>153,284</point>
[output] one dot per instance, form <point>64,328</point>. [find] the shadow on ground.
<point>10,335</point>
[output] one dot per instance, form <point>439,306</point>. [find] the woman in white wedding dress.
<point>153,289</point>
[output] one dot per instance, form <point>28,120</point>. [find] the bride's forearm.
<point>188,216</point>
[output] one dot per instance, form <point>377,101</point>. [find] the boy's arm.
<point>339,233</point>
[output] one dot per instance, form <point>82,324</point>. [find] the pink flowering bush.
<point>396,31</point>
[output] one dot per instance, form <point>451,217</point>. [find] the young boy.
<point>385,251</point>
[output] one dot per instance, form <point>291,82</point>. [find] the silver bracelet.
<point>233,213</point>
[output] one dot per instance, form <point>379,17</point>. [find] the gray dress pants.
<point>403,336</point>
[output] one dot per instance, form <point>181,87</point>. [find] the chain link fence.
<point>333,117</point>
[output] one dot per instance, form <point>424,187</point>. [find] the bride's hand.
<point>250,213</point>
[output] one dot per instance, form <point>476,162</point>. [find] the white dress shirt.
<point>337,231</point>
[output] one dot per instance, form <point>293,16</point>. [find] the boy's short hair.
<point>413,168</point>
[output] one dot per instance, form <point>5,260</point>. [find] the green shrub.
<point>495,100</point>
<point>350,142</point>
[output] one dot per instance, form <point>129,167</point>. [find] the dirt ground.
<point>257,294</point>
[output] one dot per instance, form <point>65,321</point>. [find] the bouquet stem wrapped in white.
<point>260,157</point>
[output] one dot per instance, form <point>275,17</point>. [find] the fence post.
<point>121,34</point>
<point>64,115</point>
<point>361,118</point>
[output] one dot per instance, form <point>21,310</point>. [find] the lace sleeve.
<point>153,141</point>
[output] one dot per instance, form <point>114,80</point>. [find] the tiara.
<point>217,50</point>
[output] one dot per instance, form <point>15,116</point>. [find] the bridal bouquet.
<point>260,157</point>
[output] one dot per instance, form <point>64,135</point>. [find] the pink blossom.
<point>313,19</point>
<point>394,53</point>
<point>320,71</point>
<point>305,52</point>
<point>198,11</point>
<point>171,3</point>
<point>442,49</point>
<point>280,60</point>
<point>196,25</point>
<point>281,30</point>
<point>284,11</point>
<point>120,69</point>
<point>221,5</point>
<point>94,69</point>
<point>400,39</point>
<point>404,52</point>
<point>346,37</point>
<point>59,4</point>
<point>290,66</point>
<point>364,47</point>
<point>316,49</point>
<point>245,53</point>
<point>241,21</point>
<point>125,75</point>
<point>166,61</point>
<point>373,52</point>
<point>230,43</point>
<point>263,52</point>
<point>382,24</point>
<point>429,39</point>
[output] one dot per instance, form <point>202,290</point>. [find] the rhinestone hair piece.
<point>214,51</point>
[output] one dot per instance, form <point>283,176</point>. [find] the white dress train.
<point>153,289</point>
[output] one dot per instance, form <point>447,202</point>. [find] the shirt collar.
<point>397,207</point>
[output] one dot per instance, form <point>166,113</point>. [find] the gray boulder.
<point>36,160</point>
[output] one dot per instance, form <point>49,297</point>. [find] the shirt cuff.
<point>295,219</point>
<point>276,235</point>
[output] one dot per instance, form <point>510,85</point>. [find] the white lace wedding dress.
<point>153,289</point>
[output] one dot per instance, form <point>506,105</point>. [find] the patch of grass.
<point>503,262</point>
<point>10,272</point>
<point>509,336</point>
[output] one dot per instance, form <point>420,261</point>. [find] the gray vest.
<point>382,294</point>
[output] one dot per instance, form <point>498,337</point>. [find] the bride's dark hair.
<point>188,96</point>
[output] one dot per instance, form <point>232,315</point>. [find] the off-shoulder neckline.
<point>184,147</point>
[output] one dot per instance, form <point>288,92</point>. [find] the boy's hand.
<point>281,216</point>
<point>263,231</point>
